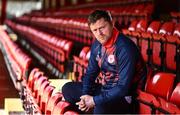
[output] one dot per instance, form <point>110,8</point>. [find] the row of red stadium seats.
<point>42,97</point>
<point>18,61</point>
<point>159,98</point>
<point>57,50</point>
<point>76,27</point>
<point>71,57</point>
<point>155,40</point>
<point>81,63</point>
<point>134,9</point>
<point>159,42</point>
<point>37,94</point>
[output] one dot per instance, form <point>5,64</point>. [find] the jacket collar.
<point>112,40</point>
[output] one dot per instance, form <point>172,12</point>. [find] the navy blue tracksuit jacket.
<point>121,65</point>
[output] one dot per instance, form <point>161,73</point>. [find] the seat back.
<point>38,84</point>
<point>60,108</point>
<point>63,42</point>
<point>146,42</point>
<point>133,25</point>
<point>41,91</point>
<point>146,49</point>
<point>83,52</point>
<point>31,76</point>
<point>167,28</point>
<point>147,102</point>
<point>45,97</point>
<point>154,27</point>
<point>177,30</point>
<point>158,43</point>
<point>37,75</point>
<point>68,47</point>
<point>142,25</point>
<point>161,85</point>
<point>175,97</point>
<point>54,99</point>
<point>171,50</point>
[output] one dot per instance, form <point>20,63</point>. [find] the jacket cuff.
<point>97,100</point>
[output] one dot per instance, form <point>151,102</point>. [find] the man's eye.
<point>103,27</point>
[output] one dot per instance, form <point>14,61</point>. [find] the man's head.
<point>100,23</point>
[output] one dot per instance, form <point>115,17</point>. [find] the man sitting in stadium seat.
<point>122,67</point>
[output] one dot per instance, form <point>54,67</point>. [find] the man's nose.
<point>100,32</point>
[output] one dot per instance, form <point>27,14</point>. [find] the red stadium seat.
<point>131,28</point>
<point>159,43</point>
<point>31,76</point>
<point>54,99</point>
<point>37,75</point>
<point>172,49</point>
<point>68,47</point>
<point>171,106</point>
<point>147,102</point>
<point>38,84</point>
<point>83,52</point>
<point>60,108</point>
<point>167,107</point>
<point>140,27</point>
<point>41,91</point>
<point>166,29</point>
<point>147,40</point>
<point>146,49</point>
<point>80,63</point>
<point>177,30</point>
<point>175,96</point>
<point>161,85</point>
<point>45,97</point>
<point>154,90</point>
<point>153,28</point>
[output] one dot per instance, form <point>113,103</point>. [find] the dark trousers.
<point>73,90</point>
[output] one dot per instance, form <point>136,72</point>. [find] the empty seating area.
<point>63,39</point>
<point>34,87</point>
<point>157,97</point>
<point>75,27</point>
<point>57,51</point>
<point>159,43</point>
<point>40,97</point>
<point>17,61</point>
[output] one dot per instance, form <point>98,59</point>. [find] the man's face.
<point>102,30</point>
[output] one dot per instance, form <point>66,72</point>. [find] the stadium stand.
<point>61,40</point>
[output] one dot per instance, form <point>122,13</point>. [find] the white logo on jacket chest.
<point>111,59</point>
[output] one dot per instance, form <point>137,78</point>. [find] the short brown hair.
<point>98,14</point>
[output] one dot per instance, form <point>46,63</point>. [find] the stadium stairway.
<point>7,89</point>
